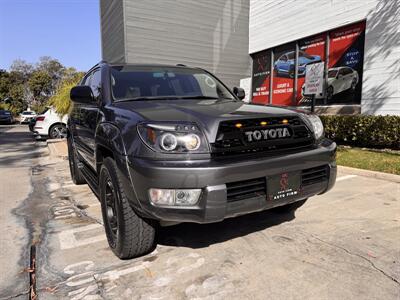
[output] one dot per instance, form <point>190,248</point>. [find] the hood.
<point>206,113</point>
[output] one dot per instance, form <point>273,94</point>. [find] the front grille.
<point>231,140</point>
<point>245,189</point>
<point>314,175</point>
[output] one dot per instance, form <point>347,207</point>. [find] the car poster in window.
<point>311,50</point>
<point>346,56</point>
<point>261,77</point>
<point>282,86</point>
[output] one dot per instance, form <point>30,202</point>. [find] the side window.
<point>86,79</point>
<point>95,83</point>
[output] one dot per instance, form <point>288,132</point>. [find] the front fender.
<point>109,137</point>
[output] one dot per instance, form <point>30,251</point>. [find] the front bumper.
<point>213,175</point>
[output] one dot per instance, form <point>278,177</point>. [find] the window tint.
<point>86,80</point>
<point>154,82</point>
<point>95,82</point>
<point>348,71</point>
<point>283,58</point>
<point>332,73</point>
<point>290,55</point>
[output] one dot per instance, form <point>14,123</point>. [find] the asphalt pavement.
<point>341,245</point>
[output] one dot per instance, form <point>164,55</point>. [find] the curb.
<point>371,174</point>
<point>57,148</point>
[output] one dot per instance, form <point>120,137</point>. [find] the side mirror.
<point>82,94</point>
<point>239,92</point>
<point>339,76</point>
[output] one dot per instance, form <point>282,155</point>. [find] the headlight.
<point>316,125</point>
<point>173,138</point>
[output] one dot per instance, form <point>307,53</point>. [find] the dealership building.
<point>268,47</point>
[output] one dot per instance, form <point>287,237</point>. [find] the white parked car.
<point>51,124</point>
<point>26,116</point>
<point>340,79</point>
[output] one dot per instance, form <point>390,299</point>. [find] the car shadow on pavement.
<point>195,236</point>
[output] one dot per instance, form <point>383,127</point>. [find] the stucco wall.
<point>112,30</point>
<point>212,34</point>
<point>273,23</point>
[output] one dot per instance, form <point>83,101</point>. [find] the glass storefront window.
<point>261,77</point>
<point>346,57</point>
<point>283,76</point>
<point>344,61</point>
<point>311,50</point>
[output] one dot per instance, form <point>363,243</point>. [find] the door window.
<point>95,83</point>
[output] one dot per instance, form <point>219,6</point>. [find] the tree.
<point>4,84</point>
<point>53,68</point>
<point>22,67</point>
<point>61,100</point>
<point>40,86</point>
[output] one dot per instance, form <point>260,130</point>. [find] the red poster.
<point>261,77</point>
<point>282,86</point>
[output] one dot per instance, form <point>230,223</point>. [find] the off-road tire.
<point>291,207</point>
<point>76,174</point>
<point>135,236</point>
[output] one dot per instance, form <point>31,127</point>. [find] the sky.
<point>67,30</point>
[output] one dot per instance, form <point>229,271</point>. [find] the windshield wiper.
<point>204,97</point>
<point>147,98</point>
<point>172,98</point>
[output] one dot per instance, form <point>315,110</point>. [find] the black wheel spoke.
<point>110,206</point>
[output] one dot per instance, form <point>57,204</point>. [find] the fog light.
<point>169,197</point>
<point>187,197</point>
<point>162,196</point>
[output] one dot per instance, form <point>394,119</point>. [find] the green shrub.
<point>363,130</point>
<point>61,100</point>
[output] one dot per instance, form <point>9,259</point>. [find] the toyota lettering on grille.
<point>266,134</point>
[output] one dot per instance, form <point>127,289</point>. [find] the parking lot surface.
<point>341,245</point>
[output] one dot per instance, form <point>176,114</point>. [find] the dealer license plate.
<point>283,186</point>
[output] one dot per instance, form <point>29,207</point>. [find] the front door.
<point>88,120</point>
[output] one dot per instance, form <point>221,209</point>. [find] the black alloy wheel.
<point>111,212</point>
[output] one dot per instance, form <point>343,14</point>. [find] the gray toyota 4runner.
<point>169,144</point>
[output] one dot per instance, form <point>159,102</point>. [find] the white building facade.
<point>358,35</point>
<point>266,44</point>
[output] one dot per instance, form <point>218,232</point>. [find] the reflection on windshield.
<point>303,54</point>
<point>332,73</point>
<point>164,83</point>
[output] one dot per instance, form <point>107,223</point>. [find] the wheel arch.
<point>109,143</point>
<point>54,124</point>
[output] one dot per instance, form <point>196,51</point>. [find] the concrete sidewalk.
<point>340,245</point>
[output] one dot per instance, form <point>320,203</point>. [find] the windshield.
<point>28,113</point>
<point>303,54</point>
<point>290,55</point>
<point>5,112</point>
<point>332,73</point>
<point>158,83</point>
